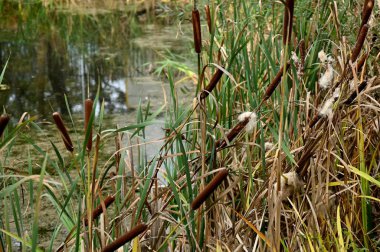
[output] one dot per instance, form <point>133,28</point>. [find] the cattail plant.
<point>208,17</point>
<point>247,120</point>
<point>128,236</point>
<point>359,42</point>
<point>99,209</point>
<point>353,95</point>
<point>87,114</point>
<point>288,21</point>
<point>367,11</point>
<point>4,119</point>
<point>209,189</point>
<point>273,85</point>
<point>197,31</point>
<point>214,80</point>
<point>62,129</point>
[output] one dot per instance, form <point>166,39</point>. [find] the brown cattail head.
<point>99,209</point>
<point>314,121</point>
<point>288,21</point>
<point>302,49</point>
<point>232,133</point>
<point>62,129</point>
<point>87,114</point>
<point>361,62</point>
<point>214,183</point>
<point>273,85</point>
<point>4,119</point>
<point>197,31</point>
<point>367,11</point>
<point>352,96</point>
<point>128,236</point>
<point>208,17</point>
<point>359,42</point>
<point>214,80</point>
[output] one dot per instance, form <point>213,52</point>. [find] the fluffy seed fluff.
<point>252,120</point>
<point>327,78</point>
<point>268,146</point>
<point>326,109</point>
<point>322,56</point>
<point>290,184</point>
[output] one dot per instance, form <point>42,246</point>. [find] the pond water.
<point>73,50</point>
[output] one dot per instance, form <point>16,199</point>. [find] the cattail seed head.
<point>208,17</point>
<point>128,236</point>
<point>62,129</point>
<point>252,120</point>
<point>197,31</point>
<point>367,11</point>
<point>353,95</point>
<point>87,114</point>
<point>359,42</point>
<point>214,80</point>
<point>4,119</point>
<point>277,79</point>
<point>302,49</point>
<point>221,143</point>
<point>99,209</point>
<point>206,192</point>
<point>288,21</point>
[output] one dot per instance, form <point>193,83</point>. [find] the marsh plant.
<point>278,151</point>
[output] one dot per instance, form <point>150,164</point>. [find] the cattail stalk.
<point>4,119</point>
<point>273,85</point>
<point>87,114</point>
<point>288,21</point>
<point>99,209</point>
<point>197,31</point>
<point>62,129</point>
<point>207,191</point>
<point>128,236</point>
<point>214,80</point>
<point>359,43</point>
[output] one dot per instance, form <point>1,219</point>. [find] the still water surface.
<point>55,52</point>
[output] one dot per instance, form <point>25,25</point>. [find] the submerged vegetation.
<point>278,151</point>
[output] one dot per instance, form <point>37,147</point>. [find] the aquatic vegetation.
<point>278,149</point>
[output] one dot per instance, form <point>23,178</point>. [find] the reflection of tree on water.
<point>57,66</point>
<point>54,53</point>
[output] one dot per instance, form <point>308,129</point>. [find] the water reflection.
<point>53,53</point>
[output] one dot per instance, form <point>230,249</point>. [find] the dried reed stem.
<point>62,129</point>
<point>207,191</point>
<point>214,80</point>
<point>99,209</point>
<point>4,119</point>
<point>128,236</point>
<point>288,21</point>
<point>197,31</point>
<point>87,114</point>
<point>273,85</point>
<point>359,42</point>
